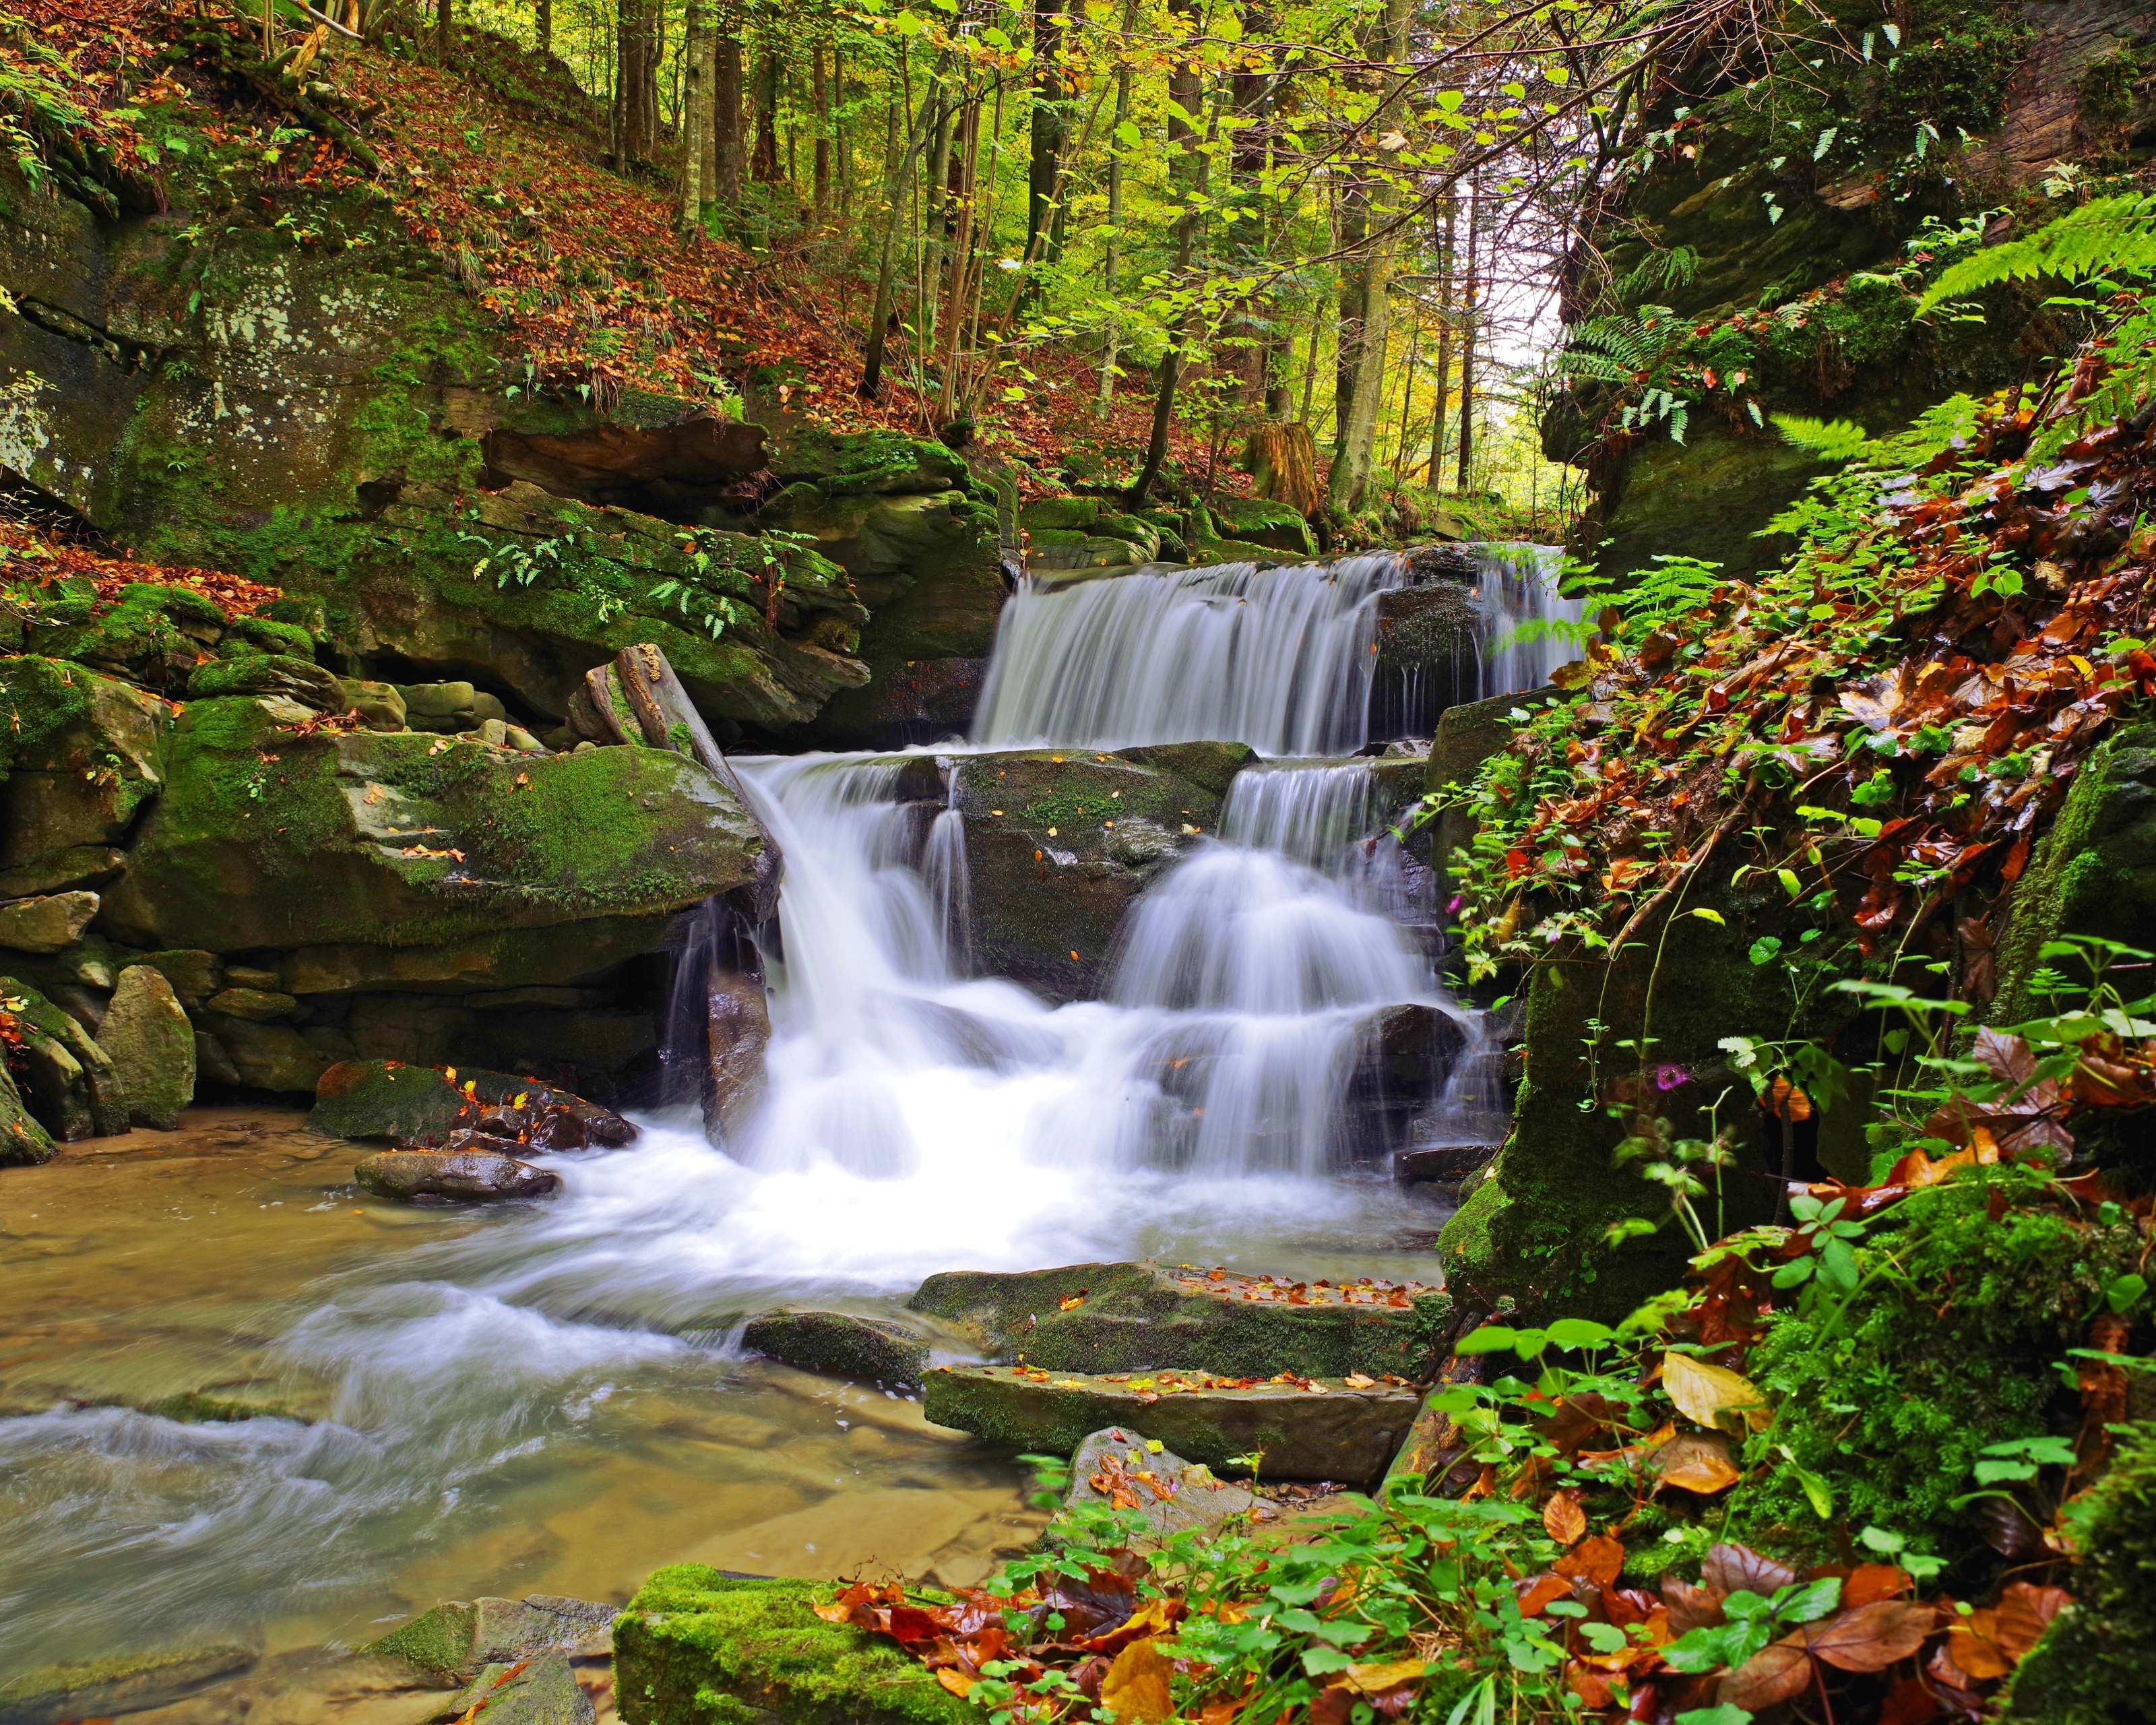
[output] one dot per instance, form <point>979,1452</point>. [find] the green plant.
<point>2105,237</point>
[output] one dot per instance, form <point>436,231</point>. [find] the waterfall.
<point>1516,585</point>
<point>1277,658</point>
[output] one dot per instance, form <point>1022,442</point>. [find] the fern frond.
<point>2105,236</point>
<point>1830,439</point>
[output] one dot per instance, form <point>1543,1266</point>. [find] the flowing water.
<point>547,1398</point>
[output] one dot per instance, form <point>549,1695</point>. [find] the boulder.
<point>88,756</point>
<point>1120,1469</point>
<point>46,925</point>
<point>451,1645</point>
<point>74,1089</point>
<point>465,1177</point>
<point>1262,522</point>
<point>268,1056</point>
<point>194,974</point>
<point>738,1035</point>
<point>78,865</point>
<point>447,708</point>
<point>841,1344</point>
<point>695,1645</point>
<point>1430,656</point>
<point>1124,1317</point>
<point>424,1105</point>
<point>134,1683</point>
<point>1059,844</point>
<point>259,1005</point>
<point>146,1031</point>
<point>1309,1429</point>
<point>538,1691</point>
<point>269,675</point>
<point>264,838</point>
<point>378,703</point>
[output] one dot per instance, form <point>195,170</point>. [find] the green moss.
<point>2107,86</point>
<point>244,674</point>
<point>1953,1348</point>
<point>436,1643</point>
<point>696,1648</point>
<point>40,698</point>
<point>2092,1667</point>
<point>265,636</point>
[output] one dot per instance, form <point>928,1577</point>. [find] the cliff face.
<point>1762,260</point>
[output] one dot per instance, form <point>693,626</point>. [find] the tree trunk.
<point>542,24</point>
<point>1467,333</point>
<point>695,113</point>
<point>444,29</point>
<point>763,162</point>
<point>727,127</point>
<point>637,88</point>
<point>896,186</point>
<point>1435,472</point>
<point>964,167</point>
<point>823,96</point>
<point>1187,172</point>
<point>1049,127</point>
<point>1109,253</point>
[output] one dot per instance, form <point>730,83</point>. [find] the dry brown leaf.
<point>1376,1679</point>
<point>1698,1461</point>
<point>1598,1559</point>
<point>2026,1611</point>
<point>1871,1637</point>
<point>1869,1582</point>
<point>1773,1675</point>
<point>1136,1685</point>
<point>1737,1568</point>
<point>958,1682</point>
<point>1564,1519</point>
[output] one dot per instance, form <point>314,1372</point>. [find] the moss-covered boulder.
<point>1123,1317</point>
<point>1259,521</point>
<point>1060,843</point>
<point>393,1102</point>
<point>87,757</point>
<point>450,1645</point>
<point>842,1344</point>
<point>70,1083</point>
<point>1313,1430</point>
<point>696,1647</point>
<point>268,837</point>
<point>152,1045</point>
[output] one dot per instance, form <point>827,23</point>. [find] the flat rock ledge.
<point>696,1645</point>
<point>843,1344</point>
<point>1130,1317</point>
<point>1305,1428</point>
<point>101,1688</point>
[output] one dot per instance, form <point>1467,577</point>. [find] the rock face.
<point>695,1645</point>
<point>1128,1317</point>
<point>459,1176</point>
<point>453,1644</point>
<point>1327,1431</point>
<point>1060,843</point>
<point>1113,1466</point>
<point>146,1031</point>
<point>841,1344</point>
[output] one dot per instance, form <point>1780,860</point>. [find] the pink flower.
<point>1670,1077</point>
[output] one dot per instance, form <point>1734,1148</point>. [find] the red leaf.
<point>1870,1638</point>
<point>1771,1675</point>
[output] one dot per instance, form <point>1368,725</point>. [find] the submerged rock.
<point>462,1176</point>
<point>1311,1429</point>
<point>451,1645</point>
<point>1122,1318</point>
<point>841,1344</point>
<point>100,1688</point>
<point>539,1691</point>
<point>696,1645</point>
<point>1115,1466</point>
<point>423,1105</point>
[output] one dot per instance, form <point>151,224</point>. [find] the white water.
<point>917,1119</point>
<point>1516,585</point>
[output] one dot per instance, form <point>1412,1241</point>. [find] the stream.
<point>551,1398</point>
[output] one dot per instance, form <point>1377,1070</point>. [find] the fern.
<point>2107,236</point>
<point>1830,439</point>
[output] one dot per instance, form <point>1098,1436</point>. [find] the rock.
<point>1261,522</point>
<point>1210,765</point>
<point>79,865</point>
<point>1325,1432</point>
<point>1430,656</point>
<point>378,703</point>
<point>24,1139</point>
<point>146,1031</point>
<point>194,974</point>
<point>102,1687</point>
<point>75,1089</point>
<point>1140,1317</point>
<point>1118,1461</point>
<point>452,1644</point>
<point>738,1034</point>
<point>418,1105</point>
<point>46,925</point>
<point>1059,844</point>
<point>539,1690</point>
<point>1465,737</point>
<point>84,755</point>
<point>248,976</point>
<point>1447,1164</point>
<point>268,1056</point>
<point>212,1061</point>
<point>258,1005</point>
<point>447,707</point>
<point>269,675</point>
<point>396,841</point>
<point>841,1344</point>
<point>694,1645</point>
<point>463,1176</point>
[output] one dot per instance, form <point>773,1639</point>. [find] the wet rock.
<point>269,676</point>
<point>1465,737</point>
<point>424,1105</point>
<point>452,1644</point>
<point>841,1344</point>
<point>378,703</point>
<point>79,866</point>
<point>1123,1318</point>
<point>1445,1164</point>
<point>695,1645</point>
<point>1210,765</point>
<point>146,1033</point>
<point>100,1688</point>
<point>260,1006</point>
<point>74,1090</point>
<point>737,1037</point>
<point>448,708</point>
<point>211,1060</point>
<point>539,1691</point>
<point>250,976</point>
<point>1117,1467</point>
<point>1260,521</point>
<point>1326,1431</point>
<point>462,1176</point>
<point>88,753</point>
<point>46,925</point>
<point>268,1056</point>
<point>194,974</point>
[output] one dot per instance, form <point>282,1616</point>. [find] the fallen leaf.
<point>958,1682</point>
<point>1136,1685</point>
<point>2026,1611</point>
<point>1565,1519</point>
<point>1706,1393</point>
<point>1775,1674</point>
<point>1737,1568</point>
<point>1869,1582</point>
<point>1598,1559</point>
<point>1698,1461</point>
<point>1374,1679</point>
<point>1871,1637</point>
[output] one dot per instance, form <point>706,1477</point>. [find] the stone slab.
<point>1174,1495</point>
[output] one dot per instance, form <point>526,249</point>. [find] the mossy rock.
<point>841,1344</point>
<point>265,838</point>
<point>1124,1317</point>
<point>89,756</point>
<point>1259,521</point>
<point>393,1103</point>
<point>1044,515</point>
<point>134,1683</point>
<point>1239,551</point>
<point>1328,1432</point>
<point>696,1647</point>
<point>2092,1666</point>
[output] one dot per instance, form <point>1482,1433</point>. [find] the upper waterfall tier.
<point>1281,658</point>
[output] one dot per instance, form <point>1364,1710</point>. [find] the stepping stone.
<point>841,1344</point>
<point>1306,1429</point>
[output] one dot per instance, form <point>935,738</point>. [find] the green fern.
<point>2107,236</point>
<point>1830,439</point>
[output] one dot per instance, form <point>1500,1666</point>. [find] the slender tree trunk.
<point>1435,472</point>
<point>1187,172</point>
<point>896,189</point>
<point>842,138</point>
<point>445,30</point>
<point>1467,333</point>
<point>727,129</point>
<point>1112,247</point>
<point>542,24</point>
<point>822,97</point>
<point>696,111</point>
<point>638,86</point>
<point>1048,124</point>
<point>763,160</point>
<point>962,248</point>
<point>1399,460</point>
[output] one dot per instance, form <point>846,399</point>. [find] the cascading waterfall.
<point>1516,590</point>
<point>1276,658</point>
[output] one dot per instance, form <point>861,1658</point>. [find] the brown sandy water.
<point>533,1399</point>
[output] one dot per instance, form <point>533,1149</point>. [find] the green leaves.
<point>2018,1459</point>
